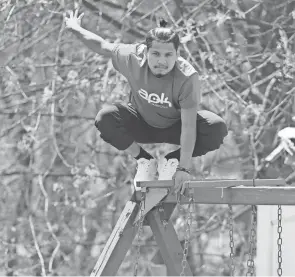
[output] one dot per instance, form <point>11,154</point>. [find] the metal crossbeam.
<point>217,183</point>
<point>236,192</point>
<point>240,196</point>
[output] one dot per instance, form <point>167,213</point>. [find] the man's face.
<point>161,58</point>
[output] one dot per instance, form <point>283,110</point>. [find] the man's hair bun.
<point>163,23</point>
<point>162,34</point>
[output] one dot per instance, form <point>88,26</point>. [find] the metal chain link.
<point>179,206</point>
<point>187,232</point>
<point>252,247</point>
<point>231,240</point>
<point>140,229</point>
<point>280,241</point>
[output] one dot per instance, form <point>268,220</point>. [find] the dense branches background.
<point>63,188</point>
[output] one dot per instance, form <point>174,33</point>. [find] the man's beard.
<point>159,75</point>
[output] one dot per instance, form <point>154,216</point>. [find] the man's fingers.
<point>182,189</point>
<point>175,189</point>
<point>80,16</point>
<point>76,13</point>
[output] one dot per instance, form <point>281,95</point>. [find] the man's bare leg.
<point>138,152</point>
<point>133,149</point>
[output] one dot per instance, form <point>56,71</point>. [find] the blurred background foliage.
<point>63,188</point>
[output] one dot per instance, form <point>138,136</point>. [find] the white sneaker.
<point>167,169</point>
<point>146,171</point>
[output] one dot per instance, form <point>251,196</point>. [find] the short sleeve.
<point>121,57</point>
<point>190,92</point>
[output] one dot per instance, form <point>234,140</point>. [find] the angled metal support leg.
<point>168,243</point>
<point>118,243</point>
<point>125,231</point>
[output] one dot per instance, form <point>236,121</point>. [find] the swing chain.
<point>280,241</point>
<point>179,206</point>
<point>231,241</point>
<point>250,262</point>
<point>189,220</point>
<point>140,229</point>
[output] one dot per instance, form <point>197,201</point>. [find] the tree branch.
<point>118,7</point>
<point>52,174</point>
<point>56,114</point>
<point>30,44</point>
<point>49,226</point>
<point>37,245</point>
<point>180,6</point>
<point>110,19</point>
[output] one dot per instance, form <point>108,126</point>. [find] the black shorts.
<point>121,125</point>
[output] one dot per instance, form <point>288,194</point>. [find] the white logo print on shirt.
<point>155,99</point>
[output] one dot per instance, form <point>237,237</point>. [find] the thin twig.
<point>151,12</point>
<point>254,156</point>
<point>37,245</point>
<point>11,127</point>
<point>56,114</point>
<point>132,10</point>
<point>169,13</point>
<point>32,43</point>
<point>258,83</point>
<point>49,226</point>
<point>51,174</point>
<point>53,86</point>
<point>266,95</point>
<point>110,19</point>
<point>196,9</point>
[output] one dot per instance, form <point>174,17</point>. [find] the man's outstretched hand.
<point>72,20</point>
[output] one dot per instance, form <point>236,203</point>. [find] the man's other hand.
<point>72,20</point>
<point>180,178</point>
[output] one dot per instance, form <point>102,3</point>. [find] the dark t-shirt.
<point>158,100</point>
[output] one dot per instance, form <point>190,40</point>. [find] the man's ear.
<point>143,54</point>
<point>145,51</point>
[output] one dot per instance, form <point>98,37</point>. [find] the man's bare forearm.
<point>187,143</point>
<point>93,41</point>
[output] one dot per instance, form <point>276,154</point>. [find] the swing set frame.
<point>159,204</point>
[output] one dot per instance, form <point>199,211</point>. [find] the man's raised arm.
<point>91,40</point>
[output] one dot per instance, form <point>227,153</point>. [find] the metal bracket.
<point>153,197</point>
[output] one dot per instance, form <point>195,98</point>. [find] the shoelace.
<point>172,164</point>
<point>145,167</point>
<point>164,168</point>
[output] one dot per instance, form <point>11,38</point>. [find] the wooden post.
<point>118,244</point>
